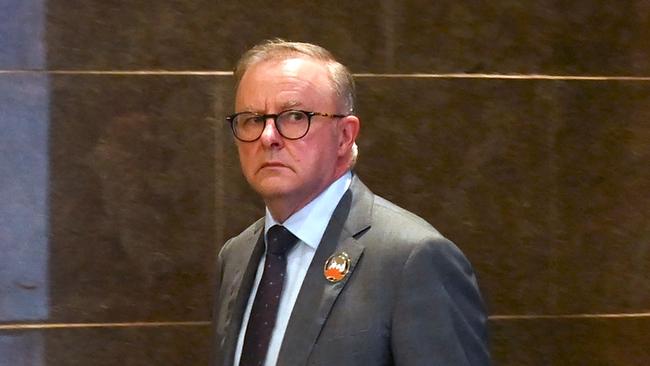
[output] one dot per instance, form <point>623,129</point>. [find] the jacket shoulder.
<point>245,235</point>
<point>393,217</point>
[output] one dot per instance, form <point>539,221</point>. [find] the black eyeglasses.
<point>291,124</point>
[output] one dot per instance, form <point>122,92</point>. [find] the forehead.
<point>293,80</point>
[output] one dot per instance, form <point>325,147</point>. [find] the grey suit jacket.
<point>410,298</point>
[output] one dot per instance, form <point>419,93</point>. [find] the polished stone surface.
<point>119,35</point>
<point>22,34</point>
<point>116,191</point>
<point>541,36</point>
<point>19,348</point>
<point>24,185</point>
<point>106,346</point>
<point>132,198</point>
<point>543,184</point>
<point>591,341</point>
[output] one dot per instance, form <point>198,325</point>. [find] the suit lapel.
<point>317,295</point>
<point>239,289</point>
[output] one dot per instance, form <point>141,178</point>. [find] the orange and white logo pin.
<point>337,267</point>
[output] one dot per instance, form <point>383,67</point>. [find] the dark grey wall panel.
<point>172,345</point>
<point>542,36</point>
<point>119,35</point>
<point>132,202</point>
<point>542,183</point>
<point>574,341</point>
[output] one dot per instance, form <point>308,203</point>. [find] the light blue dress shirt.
<point>308,224</point>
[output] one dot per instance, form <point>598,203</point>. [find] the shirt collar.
<point>309,223</point>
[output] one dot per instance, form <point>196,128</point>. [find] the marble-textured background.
<point>521,130</point>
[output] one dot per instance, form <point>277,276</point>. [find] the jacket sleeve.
<point>439,317</point>
<point>216,329</point>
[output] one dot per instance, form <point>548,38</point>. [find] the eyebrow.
<point>290,104</point>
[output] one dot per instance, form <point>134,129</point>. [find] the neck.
<point>282,207</point>
<point>281,211</point>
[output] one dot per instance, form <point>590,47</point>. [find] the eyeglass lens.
<point>290,124</point>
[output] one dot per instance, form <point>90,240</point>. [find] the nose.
<point>270,135</point>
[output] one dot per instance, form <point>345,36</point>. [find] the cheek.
<point>317,159</point>
<point>245,157</point>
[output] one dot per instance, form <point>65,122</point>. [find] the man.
<point>356,280</point>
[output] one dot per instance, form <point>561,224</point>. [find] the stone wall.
<point>519,129</point>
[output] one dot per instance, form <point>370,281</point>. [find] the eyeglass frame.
<point>274,116</point>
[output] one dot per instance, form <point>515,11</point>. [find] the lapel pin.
<point>337,267</point>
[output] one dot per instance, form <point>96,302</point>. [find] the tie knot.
<point>280,240</point>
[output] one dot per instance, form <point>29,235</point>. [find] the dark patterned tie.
<point>267,299</point>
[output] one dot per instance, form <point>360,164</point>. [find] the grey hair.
<point>274,49</point>
<point>354,155</point>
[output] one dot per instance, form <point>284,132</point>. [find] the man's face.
<point>291,171</point>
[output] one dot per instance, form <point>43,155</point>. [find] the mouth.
<point>272,164</point>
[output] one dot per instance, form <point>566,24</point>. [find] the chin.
<point>270,190</point>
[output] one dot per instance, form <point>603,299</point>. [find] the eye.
<point>250,119</point>
<point>296,115</point>
<point>293,116</point>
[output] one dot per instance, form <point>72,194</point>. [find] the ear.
<point>349,127</point>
